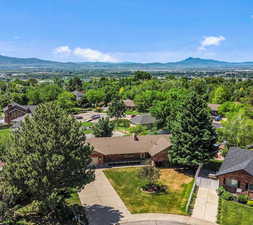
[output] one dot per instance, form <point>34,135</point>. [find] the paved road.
<point>206,205</point>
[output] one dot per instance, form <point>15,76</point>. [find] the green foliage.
<point>220,95</point>
<point>243,199</point>
<point>66,100</point>
<point>138,130</point>
<point>142,75</point>
<point>227,196</point>
<point>46,157</point>
<point>237,131</point>
<point>44,93</point>
<point>229,107</point>
<point>150,173</point>
<point>95,96</point>
<point>117,109</point>
<point>122,123</point>
<point>193,136</point>
<point>74,83</point>
<point>221,190</point>
<point>103,128</point>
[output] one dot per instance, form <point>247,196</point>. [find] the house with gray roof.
<point>143,119</point>
<point>236,172</point>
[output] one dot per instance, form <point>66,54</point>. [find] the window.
<point>250,187</point>
<point>232,183</point>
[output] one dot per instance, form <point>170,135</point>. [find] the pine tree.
<point>46,158</point>
<point>193,136</point>
<point>117,109</point>
<point>103,128</point>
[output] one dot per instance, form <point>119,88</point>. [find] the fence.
<point>196,181</point>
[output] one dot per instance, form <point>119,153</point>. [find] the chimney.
<point>136,137</point>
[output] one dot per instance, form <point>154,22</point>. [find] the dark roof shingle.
<point>237,159</point>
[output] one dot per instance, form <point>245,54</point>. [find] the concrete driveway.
<point>104,207</point>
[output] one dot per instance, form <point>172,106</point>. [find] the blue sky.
<point>127,30</point>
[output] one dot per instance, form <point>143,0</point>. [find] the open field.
<point>128,185</point>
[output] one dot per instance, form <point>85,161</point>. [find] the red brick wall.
<point>161,156</point>
<point>122,157</point>
<point>243,177</point>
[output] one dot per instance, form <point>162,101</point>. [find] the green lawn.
<point>4,134</point>
<point>128,185</point>
<point>87,124</point>
<point>233,213</point>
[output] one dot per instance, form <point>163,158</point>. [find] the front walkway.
<point>206,205</point>
<point>104,207</point>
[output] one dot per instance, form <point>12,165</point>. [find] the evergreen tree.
<point>103,128</point>
<point>193,136</point>
<point>46,158</point>
<point>117,109</point>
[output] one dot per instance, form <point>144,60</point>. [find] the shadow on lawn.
<point>103,215</point>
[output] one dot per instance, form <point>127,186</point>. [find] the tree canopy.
<point>193,136</point>
<point>47,156</point>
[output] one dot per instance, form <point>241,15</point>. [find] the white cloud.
<point>62,50</point>
<point>93,55</point>
<point>211,41</point>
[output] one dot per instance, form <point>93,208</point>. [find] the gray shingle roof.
<point>143,119</point>
<point>237,159</point>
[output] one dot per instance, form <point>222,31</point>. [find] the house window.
<point>250,187</point>
<point>232,183</point>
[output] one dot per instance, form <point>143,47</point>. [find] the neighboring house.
<point>78,95</point>
<point>15,110</point>
<point>129,149</point>
<point>143,119</point>
<point>236,172</point>
<point>129,104</point>
<point>214,108</point>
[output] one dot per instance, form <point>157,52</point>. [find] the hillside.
<point>8,63</point>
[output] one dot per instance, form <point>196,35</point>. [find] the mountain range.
<point>187,64</point>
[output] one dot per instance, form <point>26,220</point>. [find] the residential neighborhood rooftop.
<point>152,144</point>
<point>143,119</point>
<point>237,159</point>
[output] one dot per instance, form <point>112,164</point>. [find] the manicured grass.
<point>130,112</point>
<point>4,134</point>
<point>128,185</point>
<point>87,124</point>
<point>233,213</point>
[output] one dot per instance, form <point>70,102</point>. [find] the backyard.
<point>233,213</point>
<point>4,133</point>
<point>128,185</point>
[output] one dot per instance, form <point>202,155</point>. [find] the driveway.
<point>206,204</point>
<point>104,207</point>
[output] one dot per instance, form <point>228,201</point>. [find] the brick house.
<point>129,149</point>
<point>236,172</point>
<point>14,111</point>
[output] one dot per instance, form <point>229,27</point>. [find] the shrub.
<point>250,203</point>
<point>122,123</point>
<point>227,196</point>
<point>243,199</point>
<point>221,190</point>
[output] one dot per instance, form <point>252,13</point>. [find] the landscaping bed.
<point>234,213</point>
<point>128,185</point>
